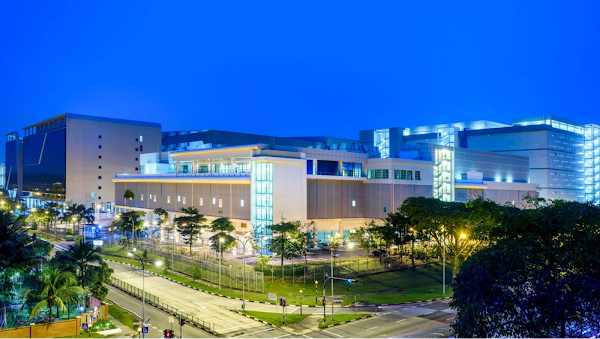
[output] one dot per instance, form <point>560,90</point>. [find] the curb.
<point>349,321</point>
<point>397,304</point>
<point>253,318</point>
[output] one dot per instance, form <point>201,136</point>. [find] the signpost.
<point>84,326</point>
<point>145,329</point>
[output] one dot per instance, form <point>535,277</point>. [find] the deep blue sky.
<point>298,68</point>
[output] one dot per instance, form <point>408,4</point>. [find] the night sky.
<point>298,68</point>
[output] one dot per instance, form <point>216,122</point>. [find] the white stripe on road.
<point>335,334</point>
<point>285,335</point>
<point>372,328</point>
<point>400,320</point>
<point>193,302</point>
<point>247,325</point>
<point>268,329</point>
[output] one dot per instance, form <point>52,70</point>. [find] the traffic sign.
<point>272,296</point>
<point>84,326</point>
<point>145,329</point>
<point>171,319</point>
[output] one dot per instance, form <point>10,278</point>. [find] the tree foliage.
<point>539,277</point>
<point>54,289</point>
<point>286,240</point>
<point>190,225</point>
<point>222,241</point>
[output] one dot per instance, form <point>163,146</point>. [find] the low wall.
<point>56,329</point>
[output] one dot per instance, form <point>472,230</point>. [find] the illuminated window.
<point>353,203</point>
<point>179,198</point>
<point>168,199</point>
<point>201,201</point>
<point>214,201</point>
<point>220,202</point>
<point>242,202</point>
<point>141,138</point>
<point>142,197</point>
<point>417,175</point>
<point>184,200</point>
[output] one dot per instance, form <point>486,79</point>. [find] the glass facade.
<point>261,190</point>
<point>443,183</point>
<point>592,162</point>
<point>45,161</point>
<point>382,142</point>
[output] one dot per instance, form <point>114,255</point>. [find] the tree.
<point>190,225</point>
<point>399,232</point>
<point>55,288</point>
<point>166,266</point>
<point>362,237</point>
<point>449,225</point>
<point>128,195</point>
<point>196,273</point>
<point>101,276</point>
<point>163,216</point>
<point>80,256</point>
<point>282,242</point>
<point>130,220</point>
<point>221,227</point>
<point>539,277</point>
<point>335,242</point>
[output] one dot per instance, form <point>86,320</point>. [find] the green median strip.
<point>123,316</point>
<point>276,318</point>
<point>340,318</point>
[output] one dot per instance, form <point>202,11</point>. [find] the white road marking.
<point>304,335</point>
<point>247,325</point>
<point>268,329</point>
<point>285,335</point>
<point>193,302</point>
<point>372,328</point>
<point>335,334</point>
<point>400,320</point>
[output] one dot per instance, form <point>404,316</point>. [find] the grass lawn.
<point>123,316</point>
<point>340,318</point>
<point>276,318</point>
<point>406,285</point>
<point>85,335</point>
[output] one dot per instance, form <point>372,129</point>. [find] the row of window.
<point>398,174</point>
<point>183,200</point>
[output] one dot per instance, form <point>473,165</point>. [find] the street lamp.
<point>444,263</point>
<point>244,242</point>
<point>316,288</point>
<point>300,302</point>
<point>220,261</point>
<point>158,263</point>
<point>332,278</point>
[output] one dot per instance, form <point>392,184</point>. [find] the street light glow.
<point>221,239</point>
<point>130,254</point>
<point>159,263</point>
<point>463,236</point>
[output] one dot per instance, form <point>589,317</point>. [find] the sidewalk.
<point>126,332</point>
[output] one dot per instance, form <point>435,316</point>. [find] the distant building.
<point>72,158</point>
<point>564,155</point>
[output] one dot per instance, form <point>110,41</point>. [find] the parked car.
<point>325,247</point>
<point>381,252</point>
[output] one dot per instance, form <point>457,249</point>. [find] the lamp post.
<point>316,288</point>
<point>325,284</point>
<point>244,242</point>
<point>220,261</point>
<point>300,302</point>
<point>444,262</point>
<point>158,263</point>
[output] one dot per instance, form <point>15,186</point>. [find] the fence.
<point>344,268</point>
<point>231,273</point>
<point>154,300</point>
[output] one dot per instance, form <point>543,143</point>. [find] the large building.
<point>336,188</point>
<point>72,158</point>
<point>564,155</point>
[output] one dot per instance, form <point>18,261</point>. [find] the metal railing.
<point>154,300</point>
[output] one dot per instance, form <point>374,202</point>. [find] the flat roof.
<point>97,118</point>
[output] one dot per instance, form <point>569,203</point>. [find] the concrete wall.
<point>289,189</point>
<point>62,328</point>
<point>90,169</point>
<point>208,198</point>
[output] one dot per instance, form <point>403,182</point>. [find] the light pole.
<point>220,261</point>
<point>316,289</point>
<point>300,302</point>
<point>444,264</point>
<point>331,255</point>
<point>325,284</point>
<point>158,263</point>
<point>244,242</point>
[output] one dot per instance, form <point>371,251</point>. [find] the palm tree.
<point>81,255</point>
<point>128,195</point>
<point>55,287</point>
